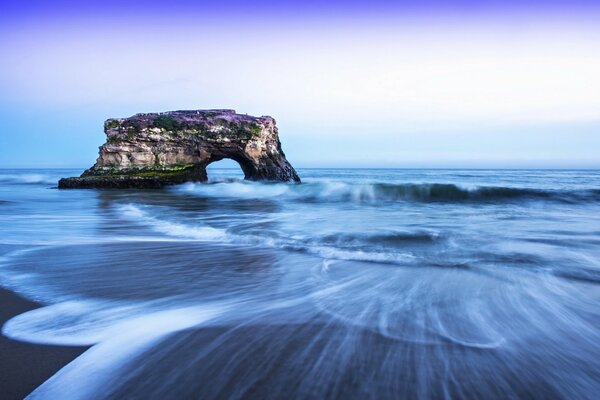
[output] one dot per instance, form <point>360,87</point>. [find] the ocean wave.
<point>335,191</point>
<point>382,239</point>
<point>27,179</point>
<point>581,274</point>
<point>326,249</point>
<point>173,228</point>
<point>328,252</point>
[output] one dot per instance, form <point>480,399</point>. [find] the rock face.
<point>154,150</point>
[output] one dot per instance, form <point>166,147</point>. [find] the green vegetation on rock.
<point>167,123</point>
<point>179,167</point>
<point>112,123</point>
<point>255,129</point>
<point>113,140</point>
<point>157,171</point>
<point>131,134</point>
<point>248,130</point>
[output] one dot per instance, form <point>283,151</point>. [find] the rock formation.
<point>154,150</point>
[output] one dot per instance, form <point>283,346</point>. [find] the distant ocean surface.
<point>357,283</point>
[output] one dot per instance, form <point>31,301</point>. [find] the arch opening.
<point>225,169</point>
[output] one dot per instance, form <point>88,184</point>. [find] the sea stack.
<point>159,149</point>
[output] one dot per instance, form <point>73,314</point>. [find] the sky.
<point>464,84</point>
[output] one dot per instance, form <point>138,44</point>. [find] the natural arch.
<point>153,150</point>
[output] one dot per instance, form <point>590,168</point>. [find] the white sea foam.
<point>359,255</point>
<point>382,192</point>
<point>27,178</point>
<point>110,359</point>
<point>245,190</point>
<point>173,228</point>
<point>206,233</point>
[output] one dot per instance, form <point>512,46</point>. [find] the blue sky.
<point>351,84</point>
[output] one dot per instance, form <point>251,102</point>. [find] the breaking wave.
<point>27,179</point>
<point>334,191</point>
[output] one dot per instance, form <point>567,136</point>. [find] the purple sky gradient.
<point>14,13</point>
<point>340,6</point>
<point>503,84</point>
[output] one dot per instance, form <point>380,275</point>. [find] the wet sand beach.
<point>25,366</point>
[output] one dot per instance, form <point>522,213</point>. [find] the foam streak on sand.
<point>112,358</point>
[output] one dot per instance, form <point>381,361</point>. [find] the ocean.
<point>357,283</point>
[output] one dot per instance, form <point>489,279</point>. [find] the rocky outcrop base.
<point>137,180</point>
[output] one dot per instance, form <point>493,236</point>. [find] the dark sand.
<point>25,366</point>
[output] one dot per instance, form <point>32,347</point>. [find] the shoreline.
<point>25,366</point>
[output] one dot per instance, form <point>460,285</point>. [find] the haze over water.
<point>354,284</point>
